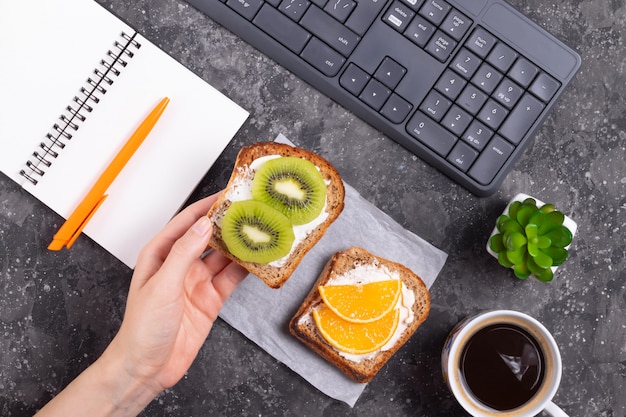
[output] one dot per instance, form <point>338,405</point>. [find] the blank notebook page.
<point>51,48</point>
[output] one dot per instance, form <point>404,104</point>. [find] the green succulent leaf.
<point>545,276</point>
<point>529,201</point>
<point>500,220</point>
<point>543,242</point>
<point>558,255</point>
<point>496,244</point>
<point>531,230</point>
<point>534,268</point>
<point>513,208</point>
<point>509,226</point>
<point>560,236</point>
<point>504,260</point>
<point>552,221</point>
<point>537,218</point>
<point>521,271</point>
<point>523,214</point>
<point>547,208</point>
<point>517,256</point>
<point>542,259</point>
<point>532,248</point>
<point>514,241</point>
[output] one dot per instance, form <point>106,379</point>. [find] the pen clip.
<point>81,226</point>
<point>58,242</point>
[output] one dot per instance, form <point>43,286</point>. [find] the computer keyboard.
<point>463,84</point>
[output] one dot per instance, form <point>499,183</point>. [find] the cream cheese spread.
<point>241,190</point>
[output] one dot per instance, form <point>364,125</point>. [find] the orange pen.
<point>79,218</point>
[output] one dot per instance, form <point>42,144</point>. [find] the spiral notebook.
<point>75,82</point>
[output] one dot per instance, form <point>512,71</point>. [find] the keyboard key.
<point>435,10</point>
<point>462,156</point>
<point>477,135</point>
<point>430,133</point>
<point>398,16</point>
<point>508,93</point>
<point>323,57</point>
<point>325,27</point>
<point>456,120</point>
<point>491,160</point>
<point>502,57</point>
<point>456,24</point>
<point>450,84</point>
<point>294,8</point>
<point>396,108</point>
<point>492,114</point>
<point>281,28</point>
<point>480,42</point>
<point>375,94</point>
<point>390,73</point>
<point>354,79</point>
<point>441,46</point>
<point>435,105</point>
<point>521,119</point>
<point>246,8</point>
<point>363,16</point>
<point>487,78</point>
<point>419,31</point>
<point>544,87</point>
<point>465,63</point>
<point>471,99</point>
<point>414,4</point>
<point>523,71</point>
<point>340,9</point>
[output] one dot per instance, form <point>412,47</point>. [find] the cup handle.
<point>554,410</point>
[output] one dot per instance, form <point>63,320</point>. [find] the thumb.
<point>187,250</point>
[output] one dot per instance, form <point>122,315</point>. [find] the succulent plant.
<point>531,240</point>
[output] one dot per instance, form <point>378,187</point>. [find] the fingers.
<point>186,251</point>
<point>156,251</point>
<point>228,280</point>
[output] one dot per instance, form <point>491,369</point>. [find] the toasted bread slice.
<point>361,368</point>
<point>276,276</point>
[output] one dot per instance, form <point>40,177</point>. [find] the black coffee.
<point>503,366</point>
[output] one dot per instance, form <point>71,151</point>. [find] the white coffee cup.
<point>454,353</point>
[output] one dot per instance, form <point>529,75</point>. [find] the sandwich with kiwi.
<point>360,311</point>
<point>277,205</point>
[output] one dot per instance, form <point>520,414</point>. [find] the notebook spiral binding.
<point>89,95</point>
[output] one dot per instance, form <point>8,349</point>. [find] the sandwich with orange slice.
<point>360,311</point>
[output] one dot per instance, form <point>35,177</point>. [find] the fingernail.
<point>202,226</point>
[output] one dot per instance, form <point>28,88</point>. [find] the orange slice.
<point>362,303</point>
<point>355,338</point>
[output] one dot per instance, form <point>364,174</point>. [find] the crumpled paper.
<point>262,314</point>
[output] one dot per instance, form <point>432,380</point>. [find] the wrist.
<point>104,389</point>
<point>128,393</point>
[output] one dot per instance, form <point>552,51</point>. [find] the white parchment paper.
<point>262,314</point>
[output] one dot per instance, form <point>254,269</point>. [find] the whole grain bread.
<point>274,276</point>
<point>303,326</point>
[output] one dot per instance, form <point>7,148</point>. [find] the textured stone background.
<point>59,310</point>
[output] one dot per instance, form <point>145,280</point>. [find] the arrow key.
<point>396,109</point>
<point>390,73</point>
<point>375,94</point>
<point>354,79</point>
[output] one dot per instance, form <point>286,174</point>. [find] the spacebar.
<point>281,28</point>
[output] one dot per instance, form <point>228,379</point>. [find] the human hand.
<point>174,298</point>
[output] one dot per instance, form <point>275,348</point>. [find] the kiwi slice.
<point>255,232</point>
<point>291,185</point>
